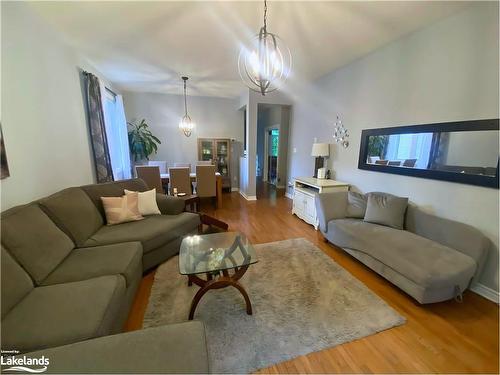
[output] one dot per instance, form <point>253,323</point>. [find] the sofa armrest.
<point>174,348</point>
<point>169,205</point>
<point>330,206</point>
<point>458,236</point>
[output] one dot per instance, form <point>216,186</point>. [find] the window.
<point>117,136</point>
<point>410,146</point>
<point>275,139</point>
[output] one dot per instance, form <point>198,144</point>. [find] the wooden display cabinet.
<point>218,151</point>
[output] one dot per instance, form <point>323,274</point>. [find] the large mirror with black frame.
<point>465,151</point>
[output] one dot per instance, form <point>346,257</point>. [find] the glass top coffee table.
<point>222,257</point>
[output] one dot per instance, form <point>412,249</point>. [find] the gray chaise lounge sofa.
<point>432,259</point>
<point>68,278</point>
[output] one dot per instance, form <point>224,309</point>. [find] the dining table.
<point>165,179</point>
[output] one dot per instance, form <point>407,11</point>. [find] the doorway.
<point>272,145</point>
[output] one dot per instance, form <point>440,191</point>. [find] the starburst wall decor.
<point>340,133</point>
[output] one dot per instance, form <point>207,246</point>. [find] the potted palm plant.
<point>141,141</point>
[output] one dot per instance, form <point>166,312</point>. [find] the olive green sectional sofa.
<point>68,279</point>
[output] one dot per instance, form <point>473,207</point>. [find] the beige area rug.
<point>302,302</point>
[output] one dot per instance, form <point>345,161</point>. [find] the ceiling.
<point>147,46</point>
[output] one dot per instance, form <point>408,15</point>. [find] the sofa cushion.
<point>16,283</point>
<point>34,240</point>
<point>73,211</point>
<point>386,209</point>
<point>356,205</point>
<point>63,314</point>
<point>119,259</point>
<point>421,260</point>
<point>153,232</point>
<point>171,349</point>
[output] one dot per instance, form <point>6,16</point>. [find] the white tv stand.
<point>304,191</point>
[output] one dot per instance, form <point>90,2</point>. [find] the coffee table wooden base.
<point>218,282</point>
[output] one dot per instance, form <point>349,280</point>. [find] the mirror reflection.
<point>467,152</point>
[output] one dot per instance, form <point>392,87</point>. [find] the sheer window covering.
<point>410,146</point>
<point>116,131</point>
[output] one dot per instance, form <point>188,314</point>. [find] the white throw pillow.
<point>147,202</point>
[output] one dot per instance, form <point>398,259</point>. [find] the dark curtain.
<point>439,150</point>
<point>95,112</point>
<point>434,153</point>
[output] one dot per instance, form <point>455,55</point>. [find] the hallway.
<point>266,190</point>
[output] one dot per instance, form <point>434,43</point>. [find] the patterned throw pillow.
<point>121,209</point>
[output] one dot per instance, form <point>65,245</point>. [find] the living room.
<point>337,190</point>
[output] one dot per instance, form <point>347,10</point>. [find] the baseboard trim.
<point>235,189</point>
<point>486,292</point>
<point>248,197</point>
<point>288,195</point>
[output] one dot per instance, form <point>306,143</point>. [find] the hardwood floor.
<point>447,337</point>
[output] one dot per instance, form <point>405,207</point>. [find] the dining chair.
<point>183,165</point>
<point>206,184</point>
<point>151,176</point>
<point>180,179</point>
<point>158,163</point>
<point>410,163</point>
<point>204,162</point>
<point>394,163</point>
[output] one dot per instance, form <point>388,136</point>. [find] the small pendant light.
<point>186,125</point>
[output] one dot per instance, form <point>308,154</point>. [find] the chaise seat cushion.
<point>423,261</point>
<point>172,349</point>
<point>63,314</point>
<point>123,259</point>
<point>153,232</point>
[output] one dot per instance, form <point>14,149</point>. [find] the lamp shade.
<point>320,149</point>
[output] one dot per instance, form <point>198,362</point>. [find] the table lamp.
<point>319,150</point>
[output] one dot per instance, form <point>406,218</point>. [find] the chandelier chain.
<point>185,99</point>
<point>267,63</point>
<point>265,15</point>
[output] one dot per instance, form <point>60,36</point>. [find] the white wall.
<point>473,149</point>
<point>445,72</point>
<point>285,118</point>
<point>43,118</point>
<point>214,118</point>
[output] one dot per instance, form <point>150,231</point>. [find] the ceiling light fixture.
<point>186,125</point>
<point>267,64</point>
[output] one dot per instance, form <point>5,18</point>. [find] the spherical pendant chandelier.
<point>186,125</point>
<point>267,63</point>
